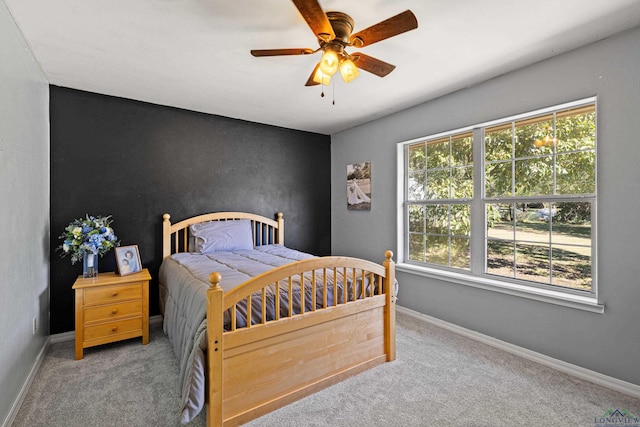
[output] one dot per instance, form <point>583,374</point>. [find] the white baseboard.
<point>568,368</point>
<point>52,339</point>
<point>13,413</point>
<point>71,335</point>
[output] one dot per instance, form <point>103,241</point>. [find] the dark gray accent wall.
<point>136,161</point>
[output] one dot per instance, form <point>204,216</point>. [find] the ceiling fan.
<point>333,30</point>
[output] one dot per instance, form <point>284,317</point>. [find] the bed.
<point>256,325</point>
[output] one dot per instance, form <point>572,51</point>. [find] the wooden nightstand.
<point>111,308</point>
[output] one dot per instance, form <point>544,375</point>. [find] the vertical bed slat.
<point>313,290</point>
<point>345,290</point>
<point>233,317</point>
<point>264,305</point>
<point>277,300</point>
<point>249,315</point>
<point>324,288</point>
<point>290,297</point>
<point>302,294</point>
<point>354,281</point>
<point>372,284</point>
<point>185,240</point>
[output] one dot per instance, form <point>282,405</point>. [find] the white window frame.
<point>476,277</point>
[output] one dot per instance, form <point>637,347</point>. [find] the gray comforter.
<point>185,278</point>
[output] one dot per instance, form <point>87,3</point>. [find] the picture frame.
<point>128,260</point>
<point>359,186</point>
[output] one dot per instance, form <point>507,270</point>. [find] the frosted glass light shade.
<point>329,62</point>
<point>320,77</point>
<point>348,70</point>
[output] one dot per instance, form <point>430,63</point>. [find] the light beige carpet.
<point>438,379</point>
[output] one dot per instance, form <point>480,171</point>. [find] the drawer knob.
<point>114,311</point>
<point>115,328</point>
<point>114,293</point>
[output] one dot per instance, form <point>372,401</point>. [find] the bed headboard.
<point>175,237</point>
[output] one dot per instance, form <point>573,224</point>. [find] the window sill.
<point>580,302</point>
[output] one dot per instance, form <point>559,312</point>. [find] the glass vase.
<point>89,265</point>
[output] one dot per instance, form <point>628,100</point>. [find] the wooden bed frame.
<point>256,369</point>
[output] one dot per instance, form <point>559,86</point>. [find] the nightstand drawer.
<point>112,328</point>
<point>112,311</point>
<point>105,294</point>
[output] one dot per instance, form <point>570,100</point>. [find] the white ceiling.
<point>194,54</point>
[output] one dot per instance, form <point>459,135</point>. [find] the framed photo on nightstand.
<point>128,260</point>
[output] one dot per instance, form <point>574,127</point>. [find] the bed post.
<point>214,350</point>
<point>166,236</point>
<point>390,307</point>
<point>280,229</point>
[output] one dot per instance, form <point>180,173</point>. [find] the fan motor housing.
<point>342,25</point>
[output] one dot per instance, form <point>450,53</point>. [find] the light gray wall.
<point>24,210</point>
<point>608,343</point>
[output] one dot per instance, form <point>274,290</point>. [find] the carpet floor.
<point>439,379</point>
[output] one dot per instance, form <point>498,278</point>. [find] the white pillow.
<point>222,236</point>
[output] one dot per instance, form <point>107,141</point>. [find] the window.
<point>513,199</point>
<point>440,185</point>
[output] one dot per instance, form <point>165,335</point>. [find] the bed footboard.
<point>344,324</point>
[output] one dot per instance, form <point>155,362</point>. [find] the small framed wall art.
<point>128,260</point>
<point>359,186</point>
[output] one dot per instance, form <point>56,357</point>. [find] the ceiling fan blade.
<point>316,18</point>
<point>372,65</point>
<point>279,52</point>
<point>393,26</point>
<point>311,82</point>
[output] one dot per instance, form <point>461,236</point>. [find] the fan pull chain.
<point>333,87</point>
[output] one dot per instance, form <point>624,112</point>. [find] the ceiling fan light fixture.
<point>348,70</point>
<point>329,62</point>
<point>320,77</point>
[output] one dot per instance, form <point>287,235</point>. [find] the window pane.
<point>534,137</point>
<point>438,250</point>
<point>534,177</point>
<point>498,178</point>
<point>437,219</point>
<point>416,247</point>
<point>460,220</point>
<point>573,219</point>
<point>498,144</point>
<point>500,258</point>
<point>576,130</point>
<point>460,253</point>
<point>416,219</point>
<point>438,154</point>
<point>462,150</point>
<point>572,266</point>
<point>462,183</point>
<point>576,173</point>
<point>438,184</point>
<point>571,243</point>
<point>532,262</point>
<point>417,157</point>
<point>417,186</point>
<point>500,219</point>
<point>532,224</point>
